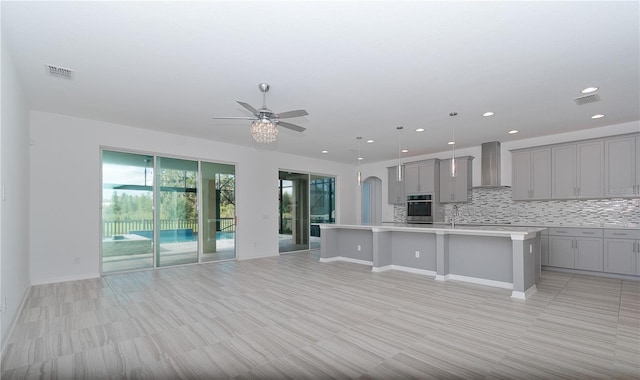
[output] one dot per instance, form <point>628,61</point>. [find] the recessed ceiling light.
<point>405,150</point>
<point>451,143</point>
<point>369,141</point>
<point>598,116</point>
<point>420,130</point>
<point>513,131</point>
<point>488,114</point>
<point>360,158</point>
<point>589,90</point>
<point>325,151</point>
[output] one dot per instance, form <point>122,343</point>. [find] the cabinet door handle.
<point>588,233</point>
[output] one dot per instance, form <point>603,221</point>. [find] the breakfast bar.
<point>500,256</point>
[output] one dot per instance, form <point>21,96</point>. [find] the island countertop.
<point>518,232</point>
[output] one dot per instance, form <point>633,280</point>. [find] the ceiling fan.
<point>264,127</point>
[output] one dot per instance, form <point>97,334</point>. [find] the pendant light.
<point>453,147</point>
<point>400,167</point>
<point>359,158</point>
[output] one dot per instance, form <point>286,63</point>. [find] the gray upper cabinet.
<point>420,177</point>
<point>455,189</point>
<point>622,170</point>
<point>531,174</point>
<point>577,170</point>
<point>589,169</point>
<point>396,188</point>
<point>563,172</point>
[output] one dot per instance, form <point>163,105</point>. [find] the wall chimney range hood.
<point>490,174</point>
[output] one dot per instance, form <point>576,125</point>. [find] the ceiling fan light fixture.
<point>264,131</point>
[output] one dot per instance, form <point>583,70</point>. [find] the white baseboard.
<point>14,321</point>
<point>423,272</point>
<point>56,280</point>
<point>347,259</point>
<point>437,277</point>
<point>526,294</point>
<point>481,281</point>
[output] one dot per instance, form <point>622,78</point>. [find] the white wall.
<point>14,209</point>
<point>65,189</point>
<point>378,169</point>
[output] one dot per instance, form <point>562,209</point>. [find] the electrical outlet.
<point>417,254</point>
<point>530,248</point>
<point>76,260</point>
<point>359,247</point>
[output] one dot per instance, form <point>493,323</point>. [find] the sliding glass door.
<point>219,211</point>
<point>294,212</point>
<point>323,205</point>
<point>127,211</point>
<point>177,204</point>
<point>151,215</point>
<point>306,201</point>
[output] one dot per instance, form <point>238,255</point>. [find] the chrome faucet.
<point>454,212</point>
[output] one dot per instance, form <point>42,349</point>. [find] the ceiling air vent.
<point>59,72</point>
<point>587,99</point>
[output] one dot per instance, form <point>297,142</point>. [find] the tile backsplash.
<point>495,206</point>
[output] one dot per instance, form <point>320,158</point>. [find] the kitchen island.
<point>501,256</point>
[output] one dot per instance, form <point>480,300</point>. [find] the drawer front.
<point>586,232</point>
<point>622,234</point>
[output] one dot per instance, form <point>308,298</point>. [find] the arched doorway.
<point>372,201</point>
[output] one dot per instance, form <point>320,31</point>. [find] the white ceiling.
<point>358,68</point>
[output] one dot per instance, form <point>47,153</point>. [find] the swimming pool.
<point>182,235</point>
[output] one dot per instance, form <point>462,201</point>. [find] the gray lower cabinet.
<point>561,252</point>
<point>544,248</point>
<point>576,248</point>
<point>622,251</point>
<point>455,189</point>
<point>396,193</point>
<point>589,254</point>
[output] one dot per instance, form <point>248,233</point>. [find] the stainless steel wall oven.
<point>420,208</point>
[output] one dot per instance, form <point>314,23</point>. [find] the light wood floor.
<point>292,317</point>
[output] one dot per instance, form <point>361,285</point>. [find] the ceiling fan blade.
<point>236,117</point>
<point>293,127</point>
<point>295,113</point>
<point>249,107</point>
